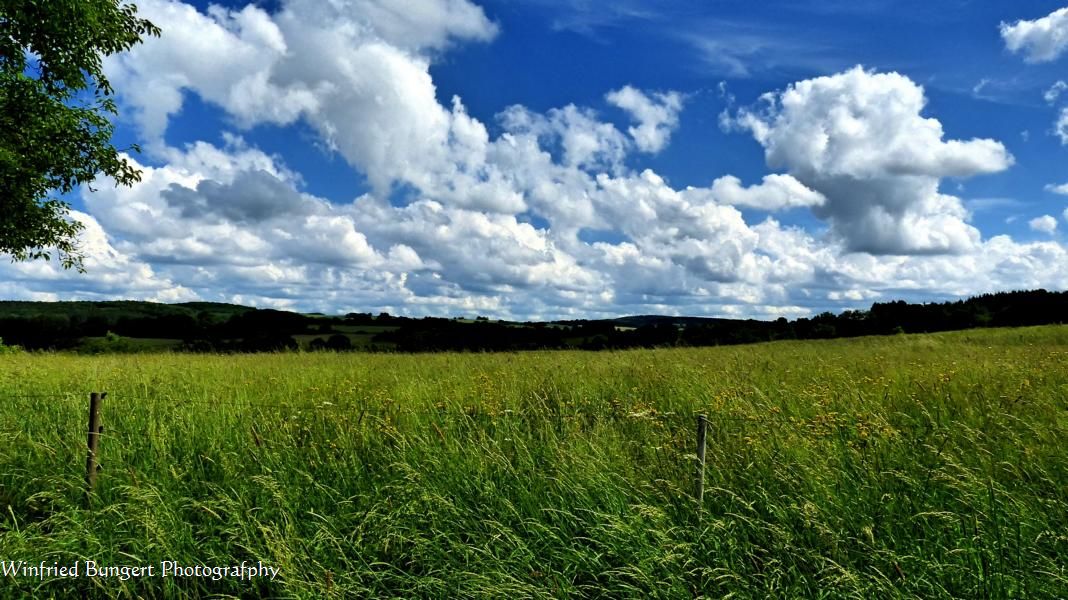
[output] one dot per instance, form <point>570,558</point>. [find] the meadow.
<point>928,466</point>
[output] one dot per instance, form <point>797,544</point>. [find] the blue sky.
<point>542,159</point>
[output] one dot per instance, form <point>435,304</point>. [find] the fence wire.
<point>587,415</point>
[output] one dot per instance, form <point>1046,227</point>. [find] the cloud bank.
<point>546,218</point>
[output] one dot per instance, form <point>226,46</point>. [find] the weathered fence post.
<point>702,431</point>
<point>95,429</point>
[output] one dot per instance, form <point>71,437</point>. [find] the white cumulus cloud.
<point>116,274</point>
<point>1055,92</point>
<point>860,139</point>
<point>1039,40</point>
<point>356,71</point>
<point>1060,128</point>
<point>1043,224</point>
<point>776,192</point>
<point>586,141</point>
<point>657,116</point>
<point>1061,189</point>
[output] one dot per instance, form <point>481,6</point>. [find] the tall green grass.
<point>907,466</point>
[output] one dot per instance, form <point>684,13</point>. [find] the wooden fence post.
<point>702,431</point>
<point>95,429</point>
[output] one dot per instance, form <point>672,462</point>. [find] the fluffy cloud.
<point>1040,40</point>
<point>998,264</point>
<point>115,274</point>
<point>413,24</point>
<point>1055,92</point>
<point>154,76</point>
<point>236,215</point>
<point>356,71</point>
<point>776,192</point>
<point>477,251</point>
<point>1043,224</point>
<point>585,141</point>
<point>1060,128</point>
<point>860,139</point>
<point>657,116</point>
<point>1061,189</point>
<point>710,242</point>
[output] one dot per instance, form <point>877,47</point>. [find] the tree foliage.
<point>55,110</point>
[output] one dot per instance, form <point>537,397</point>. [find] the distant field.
<point>129,344</point>
<point>360,336</point>
<point>905,466</point>
<point>362,329</point>
<point>358,340</point>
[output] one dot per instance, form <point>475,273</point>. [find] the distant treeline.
<point>209,327</point>
<point>1009,309</point>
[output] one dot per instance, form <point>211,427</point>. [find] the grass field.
<point>909,466</point>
